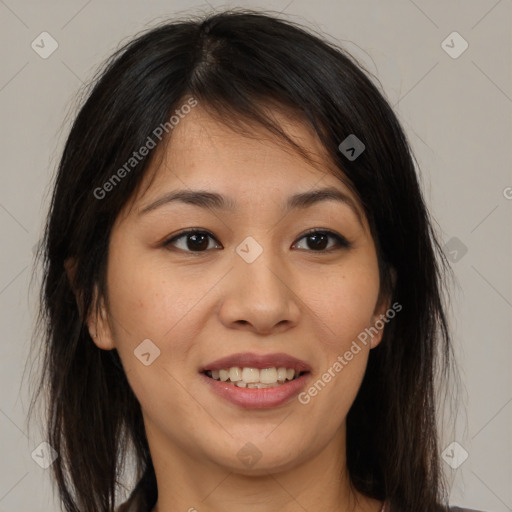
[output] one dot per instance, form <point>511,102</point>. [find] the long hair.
<point>235,64</point>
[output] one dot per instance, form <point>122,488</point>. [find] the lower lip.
<point>257,398</point>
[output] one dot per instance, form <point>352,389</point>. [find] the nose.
<point>260,296</point>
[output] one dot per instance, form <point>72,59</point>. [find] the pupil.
<point>317,243</point>
<point>202,239</point>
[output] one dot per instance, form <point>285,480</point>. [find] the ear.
<point>379,318</point>
<point>98,324</point>
<point>97,319</point>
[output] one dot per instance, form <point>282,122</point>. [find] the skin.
<point>200,306</point>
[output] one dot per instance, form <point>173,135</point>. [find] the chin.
<point>257,457</point>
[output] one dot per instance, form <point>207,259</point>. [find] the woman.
<point>243,289</point>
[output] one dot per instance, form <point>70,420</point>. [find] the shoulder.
<point>125,507</point>
<point>128,507</point>
<point>131,505</point>
<point>460,509</point>
<point>140,500</point>
<point>452,509</point>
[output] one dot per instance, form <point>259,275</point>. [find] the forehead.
<point>242,161</point>
<point>235,154</point>
<point>243,135</point>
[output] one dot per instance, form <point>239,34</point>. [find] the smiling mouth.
<point>254,378</point>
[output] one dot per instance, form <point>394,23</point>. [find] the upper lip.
<point>252,360</point>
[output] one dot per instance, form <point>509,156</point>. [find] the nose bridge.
<point>257,264</point>
<point>259,294</point>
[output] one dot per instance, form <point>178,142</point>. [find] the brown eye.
<point>318,240</point>
<point>191,241</point>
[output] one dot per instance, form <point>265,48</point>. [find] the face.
<point>249,279</point>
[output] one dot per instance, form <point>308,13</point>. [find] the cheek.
<point>148,301</point>
<point>343,304</point>
<point>344,301</point>
<point>148,298</point>
<point>343,313</point>
<point>152,300</point>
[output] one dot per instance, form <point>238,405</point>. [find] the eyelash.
<point>342,242</point>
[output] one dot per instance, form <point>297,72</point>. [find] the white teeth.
<point>250,375</point>
<point>259,385</point>
<point>281,374</point>
<point>268,375</point>
<point>253,377</point>
<point>235,374</point>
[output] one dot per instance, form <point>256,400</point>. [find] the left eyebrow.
<point>213,200</point>
<point>306,199</point>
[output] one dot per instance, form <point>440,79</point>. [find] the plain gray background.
<point>456,110</point>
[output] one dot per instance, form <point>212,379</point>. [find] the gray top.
<point>133,507</point>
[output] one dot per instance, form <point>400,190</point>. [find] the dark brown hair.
<point>233,63</point>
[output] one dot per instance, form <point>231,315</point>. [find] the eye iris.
<point>319,241</point>
<point>202,238</point>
